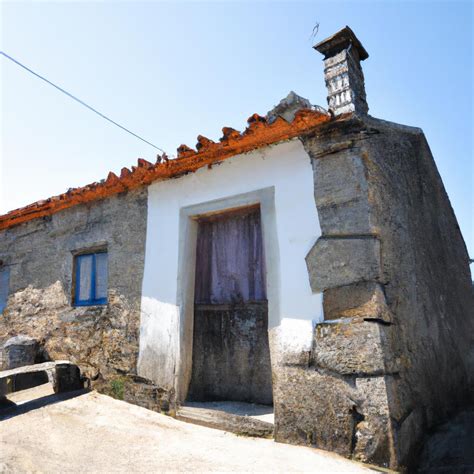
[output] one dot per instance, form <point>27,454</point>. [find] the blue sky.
<point>171,71</point>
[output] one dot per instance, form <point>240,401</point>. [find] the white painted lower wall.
<point>281,178</point>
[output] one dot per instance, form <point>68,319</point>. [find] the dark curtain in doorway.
<point>230,261</point>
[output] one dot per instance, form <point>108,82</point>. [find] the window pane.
<point>100,276</point>
<point>4,282</point>
<point>85,276</point>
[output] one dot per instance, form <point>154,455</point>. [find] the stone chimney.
<point>343,53</point>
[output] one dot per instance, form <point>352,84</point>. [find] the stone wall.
<point>427,285</point>
<point>392,358</point>
<point>101,340</point>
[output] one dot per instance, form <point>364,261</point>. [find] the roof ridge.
<point>258,133</point>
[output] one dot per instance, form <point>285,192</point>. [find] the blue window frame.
<point>91,279</point>
<point>4,283</point>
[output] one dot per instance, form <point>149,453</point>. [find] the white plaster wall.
<point>287,169</point>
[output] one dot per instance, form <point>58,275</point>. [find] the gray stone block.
<point>346,218</point>
<point>351,347</point>
<point>330,412</point>
<point>364,300</point>
<point>313,409</point>
<point>339,178</point>
<point>334,262</point>
<point>18,351</point>
<point>341,193</point>
<point>67,377</point>
<point>373,432</point>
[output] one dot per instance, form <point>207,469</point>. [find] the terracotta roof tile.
<point>259,133</point>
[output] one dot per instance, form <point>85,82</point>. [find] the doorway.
<point>231,355</point>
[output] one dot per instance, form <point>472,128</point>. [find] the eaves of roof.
<point>258,134</point>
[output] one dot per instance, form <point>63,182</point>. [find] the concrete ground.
<point>91,432</point>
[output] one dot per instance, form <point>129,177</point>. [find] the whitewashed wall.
<point>286,170</point>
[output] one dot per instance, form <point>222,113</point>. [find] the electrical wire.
<point>79,100</point>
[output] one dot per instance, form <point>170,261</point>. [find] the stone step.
<point>221,420</point>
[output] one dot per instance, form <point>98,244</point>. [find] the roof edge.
<point>259,133</point>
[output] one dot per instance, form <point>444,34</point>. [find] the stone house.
<point>312,261</point>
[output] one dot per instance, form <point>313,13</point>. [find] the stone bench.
<point>63,376</point>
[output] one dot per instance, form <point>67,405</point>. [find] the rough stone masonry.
<point>102,340</point>
<point>394,355</point>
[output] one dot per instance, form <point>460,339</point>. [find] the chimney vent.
<point>343,74</point>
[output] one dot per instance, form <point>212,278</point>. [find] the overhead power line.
<point>79,100</point>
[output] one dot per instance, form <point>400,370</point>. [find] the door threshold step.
<point>242,425</point>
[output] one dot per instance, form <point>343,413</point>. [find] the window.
<point>91,279</point>
<point>4,283</point>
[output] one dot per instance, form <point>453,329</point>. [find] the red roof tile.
<point>258,134</point>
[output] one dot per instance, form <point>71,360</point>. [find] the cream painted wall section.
<point>286,170</point>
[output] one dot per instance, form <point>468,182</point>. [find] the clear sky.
<point>171,71</point>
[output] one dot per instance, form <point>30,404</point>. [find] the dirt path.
<point>95,433</point>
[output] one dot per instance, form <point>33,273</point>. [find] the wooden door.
<point>231,356</point>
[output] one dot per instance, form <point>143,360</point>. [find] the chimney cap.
<point>339,41</point>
